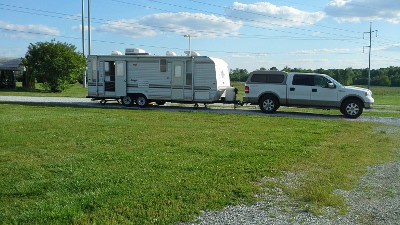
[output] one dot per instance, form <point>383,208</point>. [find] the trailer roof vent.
<point>192,53</point>
<point>135,51</point>
<point>114,52</point>
<point>169,53</point>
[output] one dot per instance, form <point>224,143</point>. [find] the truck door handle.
<point>292,89</point>
<point>314,90</point>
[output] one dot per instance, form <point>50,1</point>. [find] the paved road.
<point>214,108</point>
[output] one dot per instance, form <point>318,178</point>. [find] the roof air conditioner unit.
<point>114,52</point>
<point>169,53</point>
<point>192,53</point>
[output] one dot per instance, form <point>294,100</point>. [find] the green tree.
<point>238,75</point>
<point>55,64</point>
<point>286,69</point>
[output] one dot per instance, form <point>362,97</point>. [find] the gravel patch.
<point>375,200</point>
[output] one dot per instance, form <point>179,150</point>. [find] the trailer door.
<point>120,78</point>
<point>178,78</point>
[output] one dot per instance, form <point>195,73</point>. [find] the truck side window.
<point>321,81</point>
<point>267,78</point>
<point>262,78</point>
<point>304,80</point>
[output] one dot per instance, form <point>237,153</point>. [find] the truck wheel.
<point>127,100</point>
<point>141,101</point>
<point>269,104</point>
<point>352,108</point>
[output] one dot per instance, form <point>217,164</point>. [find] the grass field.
<point>71,165</point>
<point>75,91</point>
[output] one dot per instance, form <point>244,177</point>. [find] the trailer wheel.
<point>127,100</point>
<point>269,104</point>
<point>141,101</point>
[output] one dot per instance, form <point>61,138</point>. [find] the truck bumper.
<point>369,105</point>
<point>250,100</point>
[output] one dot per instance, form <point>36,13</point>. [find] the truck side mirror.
<point>331,85</point>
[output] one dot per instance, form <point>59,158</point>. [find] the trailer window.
<point>163,65</point>
<point>177,70</point>
<point>94,70</point>
<point>189,72</point>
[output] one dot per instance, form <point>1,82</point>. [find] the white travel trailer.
<point>140,78</point>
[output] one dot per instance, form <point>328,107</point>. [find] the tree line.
<point>389,76</point>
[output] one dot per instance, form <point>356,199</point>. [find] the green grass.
<point>75,90</point>
<point>71,165</point>
<point>386,95</point>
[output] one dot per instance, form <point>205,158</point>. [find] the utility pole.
<point>89,31</point>
<point>83,39</point>
<point>190,50</point>
<point>369,55</point>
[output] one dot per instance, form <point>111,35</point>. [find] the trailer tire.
<point>141,101</point>
<point>127,100</point>
<point>269,103</point>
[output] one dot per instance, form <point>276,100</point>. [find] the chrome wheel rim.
<point>268,105</point>
<point>352,109</point>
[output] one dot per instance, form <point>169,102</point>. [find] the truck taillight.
<point>246,89</point>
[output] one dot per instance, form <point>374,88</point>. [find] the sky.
<point>306,34</point>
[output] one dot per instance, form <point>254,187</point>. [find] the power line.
<point>103,21</point>
<point>166,29</point>
<point>151,46</point>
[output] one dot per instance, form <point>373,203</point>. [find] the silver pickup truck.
<point>272,89</point>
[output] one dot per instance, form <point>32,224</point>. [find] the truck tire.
<point>127,100</point>
<point>141,101</point>
<point>269,104</point>
<point>352,108</point>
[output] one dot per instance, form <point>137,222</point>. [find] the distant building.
<point>9,69</point>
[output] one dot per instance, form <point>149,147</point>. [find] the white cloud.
<point>28,31</point>
<point>242,56</point>
<point>357,10</point>
<point>129,28</point>
<point>195,24</point>
<point>322,51</point>
<point>390,48</point>
<point>265,14</point>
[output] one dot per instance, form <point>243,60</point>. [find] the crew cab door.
<point>299,90</point>
<point>323,92</point>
